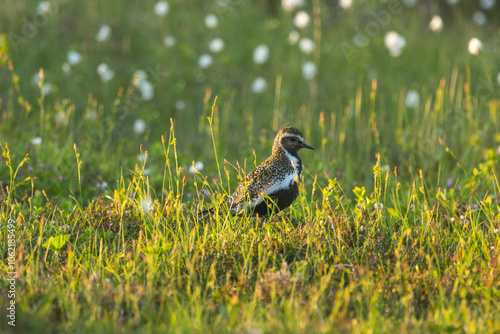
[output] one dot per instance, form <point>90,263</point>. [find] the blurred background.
<point>416,81</point>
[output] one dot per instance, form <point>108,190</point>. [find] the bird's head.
<point>291,140</point>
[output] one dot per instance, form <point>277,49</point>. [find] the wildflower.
<point>486,4</point>
<point>169,41</point>
<point>216,45</point>
<point>479,18</point>
<point>395,43</point>
<point>289,5</point>
<point>43,7</point>
<point>412,99</point>
<point>261,54</point>
<point>293,37</point>
<point>105,72</point>
<point>259,85</point>
<point>36,141</point>
<point>475,46</point>
<point>161,8</point>
<point>205,60</point>
<point>139,126</point>
<point>198,166</point>
<point>74,58</point>
<point>436,23</point>
<point>301,19</point>
<point>104,33</point>
<point>309,70</point>
<point>307,45</point>
<point>211,21</point>
<point>346,4</point>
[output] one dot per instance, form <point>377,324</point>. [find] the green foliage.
<point>397,225</point>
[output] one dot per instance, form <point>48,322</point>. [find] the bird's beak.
<point>304,145</point>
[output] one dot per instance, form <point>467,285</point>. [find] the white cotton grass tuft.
<point>74,57</point>
<point>261,54</point>
<point>146,204</point>
<point>479,18</point>
<point>487,4</point>
<point>161,8</point>
<point>105,72</point>
<point>216,45</point>
<point>436,23</point>
<point>309,70</point>
<point>289,5</point>
<point>301,19</point>
<point>475,46</point>
<point>412,99</point>
<point>307,45</point>
<point>205,60</point>
<point>140,81</point>
<point>259,85</point>
<point>43,7</point>
<point>198,166</point>
<point>104,33</point>
<point>169,41</point>
<point>211,21</point>
<point>395,43</point>
<point>36,141</point>
<point>180,105</point>
<point>139,126</point>
<point>293,37</point>
<point>345,4</point>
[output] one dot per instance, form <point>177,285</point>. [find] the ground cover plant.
<point>121,120</point>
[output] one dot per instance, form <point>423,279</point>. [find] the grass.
<point>396,228</point>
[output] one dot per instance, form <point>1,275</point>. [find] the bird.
<point>273,185</point>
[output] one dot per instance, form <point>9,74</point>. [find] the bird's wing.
<point>248,191</point>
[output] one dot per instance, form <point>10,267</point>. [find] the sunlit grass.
<point>396,228</point>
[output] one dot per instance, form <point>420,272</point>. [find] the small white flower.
<point>436,23</point>
<point>289,5</point>
<point>66,68</point>
<point>216,45</point>
<point>395,43</point>
<point>261,54</point>
<point>198,166</point>
<point>346,4</point>
<point>301,19</point>
<point>36,141</point>
<point>139,126</point>
<point>412,99</point>
<point>205,60</point>
<point>475,46</point>
<point>74,58</point>
<point>259,85</point>
<point>486,4</point>
<point>309,70</point>
<point>43,7</point>
<point>293,37</point>
<point>307,45</point>
<point>105,72</point>
<point>161,8</point>
<point>479,18</point>
<point>169,41</point>
<point>180,105</point>
<point>211,21</point>
<point>104,33</point>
